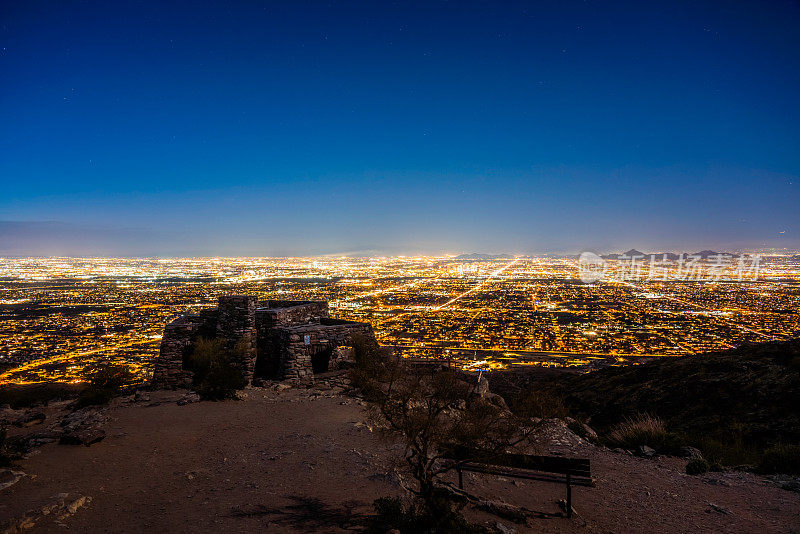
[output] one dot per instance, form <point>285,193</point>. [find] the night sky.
<point>266,128</point>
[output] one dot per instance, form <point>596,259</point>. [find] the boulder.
<point>589,433</point>
<point>83,436</point>
<point>21,418</point>
<point>189,398</point>
<point>497,400</point>
<point>9,477</point>
<point>555,432</point>
<point>29,419</point>
<point>502,528</point>
<point>36,439</point>
<point>645,451</point>
<point>582,429</point>
<point>85,417</point>
<point>690,453</point>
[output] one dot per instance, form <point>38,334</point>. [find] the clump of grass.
<point>698,466</point>
<point>781,458</point>
<point>392,513</point>
<point>643,429</point>
<point>542,404</point>
<point>106,381</point>
<point>732,451</point>
<point>215,378</point>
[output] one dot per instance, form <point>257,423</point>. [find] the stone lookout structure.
<point>282,339</point>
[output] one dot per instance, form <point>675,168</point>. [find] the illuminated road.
<point>5,378</point>
<point>476,288</point>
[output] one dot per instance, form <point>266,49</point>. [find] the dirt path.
<point>304,461</point>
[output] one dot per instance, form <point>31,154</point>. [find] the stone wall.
<point>176,343</point>
<point>236,324</point>
<point>299,344</point>
<point>270,339</point>
<point>274,313</point>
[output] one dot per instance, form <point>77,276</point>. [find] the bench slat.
<point>549,464</point>
<point>545,477</point>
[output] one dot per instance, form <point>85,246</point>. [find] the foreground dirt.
<point>306,461</point>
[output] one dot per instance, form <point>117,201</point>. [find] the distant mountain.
<point>631,253</point>
<point>704,254</point>
<point>671,256</point>
<point>484,257</point>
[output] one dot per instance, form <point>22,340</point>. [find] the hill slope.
<point>749,396</point>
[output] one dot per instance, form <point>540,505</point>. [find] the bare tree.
<point>434,411</point>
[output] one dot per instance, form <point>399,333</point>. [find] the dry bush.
<point>781,458</point>
<point>433,411</point>
<point>215,378</point>
<point>697,466</point>
<point>106,381</point>
<point>643,429</point>
<point>542,404</point>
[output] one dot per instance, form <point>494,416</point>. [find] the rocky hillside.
<point>748,397</point>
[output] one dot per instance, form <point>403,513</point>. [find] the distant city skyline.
<point>300,129</point>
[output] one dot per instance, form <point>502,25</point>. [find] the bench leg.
<point>569,496</point>
<point>460,479</point>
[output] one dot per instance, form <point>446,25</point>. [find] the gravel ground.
<point>301,460</point>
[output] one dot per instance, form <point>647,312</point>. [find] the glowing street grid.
<point>58,316</point>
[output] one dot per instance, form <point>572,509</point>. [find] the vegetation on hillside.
<point>106,381</point>
<point>733,405</point>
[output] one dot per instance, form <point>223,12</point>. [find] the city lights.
<point>61,315</point>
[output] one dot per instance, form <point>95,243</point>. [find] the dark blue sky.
<point>270,128</point>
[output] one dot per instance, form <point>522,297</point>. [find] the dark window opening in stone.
<point>187,353</point>
<point>268,365</point>
<point>321,360</point>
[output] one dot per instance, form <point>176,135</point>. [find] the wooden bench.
<point>569,471</point>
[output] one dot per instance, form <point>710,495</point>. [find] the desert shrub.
<point>368,359</point>
<point>391,513</point>
<point>106,381</point>
<point>215,378</point>
<point>781,458</point>
<point>698,466</point>
<point>643,429</point>
<point>540,403</point>
<point>433,411</point>
<point>733,451</point>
